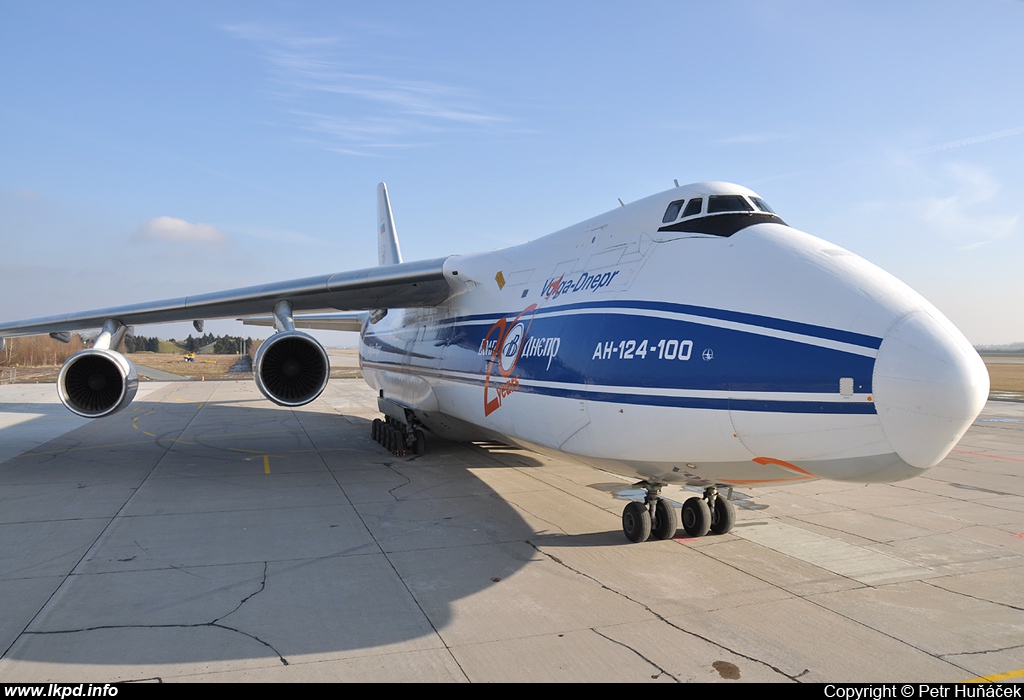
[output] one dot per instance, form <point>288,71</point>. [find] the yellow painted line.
<point>1019,673</point>
<point>146,432</point>
<point>266,464</point>
<point>136,425</point>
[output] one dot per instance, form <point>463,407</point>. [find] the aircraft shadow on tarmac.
<point>185,532</point>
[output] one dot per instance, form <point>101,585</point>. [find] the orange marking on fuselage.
<point>784,465</point>
<point>503,327</point>
<point>748,482</point>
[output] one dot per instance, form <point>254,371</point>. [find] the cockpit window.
<point>673,211</point>
<point>693,207</point>
<point>725,215</point>
<point>718,203</point>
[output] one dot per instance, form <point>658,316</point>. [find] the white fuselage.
<point>681,351</point>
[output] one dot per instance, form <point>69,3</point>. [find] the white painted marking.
<point>832,554</point>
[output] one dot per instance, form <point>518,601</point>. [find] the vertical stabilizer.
<point>388,252</point>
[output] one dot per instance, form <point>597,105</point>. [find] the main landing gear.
<point>399,439</point>
<point>656,518</point>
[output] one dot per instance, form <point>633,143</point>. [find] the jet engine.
<point>291,368</point>
<point>97,382</point>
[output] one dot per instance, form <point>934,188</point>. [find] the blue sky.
<point>154,149</point>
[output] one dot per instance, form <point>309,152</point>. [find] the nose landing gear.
<point>656,517</point>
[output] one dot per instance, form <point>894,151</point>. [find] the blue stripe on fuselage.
<point>619,349</point>
<point>584,393</point>
<point>769,322</point>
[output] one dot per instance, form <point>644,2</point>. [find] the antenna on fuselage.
<point>676,180</point>
<point>621,202</point>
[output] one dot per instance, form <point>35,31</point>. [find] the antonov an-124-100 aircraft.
<point>690,338</point>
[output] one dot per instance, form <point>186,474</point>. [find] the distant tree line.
<point>41,350</point>
<point>140,344</point>
<point>223,345</point>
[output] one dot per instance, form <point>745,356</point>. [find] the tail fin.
<point>388,252</point>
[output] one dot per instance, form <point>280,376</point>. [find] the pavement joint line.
<point>663,619</point>
<point>99,536</point>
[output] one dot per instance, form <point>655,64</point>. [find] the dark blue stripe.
<point>740,361</point>
<point>581,393</point>
<point>780,324</point>
<point>759,405</point>
<point>616,349</point>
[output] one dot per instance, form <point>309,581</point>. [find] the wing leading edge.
<point>405,285</point>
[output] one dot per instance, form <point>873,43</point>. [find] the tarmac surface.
<point>203,534</point>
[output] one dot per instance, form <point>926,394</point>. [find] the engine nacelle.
<point>97,382</point>
<point>291,368</point>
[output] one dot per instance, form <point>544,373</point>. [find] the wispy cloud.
<point>167,229</point>
<point>356,111</point>
<point>943,207</point>
<point>965,216</point>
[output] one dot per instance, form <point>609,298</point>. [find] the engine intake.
<point>291,368</point>
<point>96,382</point>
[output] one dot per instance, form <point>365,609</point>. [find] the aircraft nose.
<point>929,385</point>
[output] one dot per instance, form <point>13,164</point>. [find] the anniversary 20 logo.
<point>507,347</point>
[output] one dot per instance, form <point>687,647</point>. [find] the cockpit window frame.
<point>719,215</point>
<point>729,204</point>
<point>762,205</point>
<point>672,213</point>
<point>694,207</point>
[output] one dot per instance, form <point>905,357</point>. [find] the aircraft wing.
<point>334,321</point>
<point>412,284</point>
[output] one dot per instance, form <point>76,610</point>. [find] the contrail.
<point>960,143</point>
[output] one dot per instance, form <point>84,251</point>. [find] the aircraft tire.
<point>375,429</point>
<point>724,516</point>
<point>421,442</point>
<point>636,522</point>
<point>696,517</point>
<point>665,521</point>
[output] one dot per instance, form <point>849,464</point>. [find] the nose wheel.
<point>665,522</point>
<point>655,517</point>
<point>711,512</point>
<point>696,517</point>
<point>636,522</point>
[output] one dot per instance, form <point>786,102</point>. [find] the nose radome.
<point>929,385</point>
